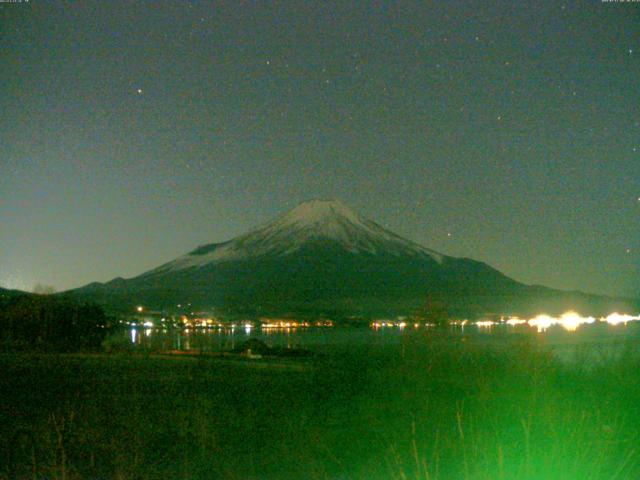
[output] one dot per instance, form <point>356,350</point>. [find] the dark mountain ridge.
<point>323,258</point>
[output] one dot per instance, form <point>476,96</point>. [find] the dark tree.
<point>49,323</point>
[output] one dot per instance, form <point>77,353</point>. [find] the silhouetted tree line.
<point>36,322</point>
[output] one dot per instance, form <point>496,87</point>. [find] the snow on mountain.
<point>312,221</point>
<point>323,257</point>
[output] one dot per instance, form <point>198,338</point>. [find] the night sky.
<point>132,132</point>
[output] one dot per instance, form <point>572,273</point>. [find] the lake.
<point>595,340</point>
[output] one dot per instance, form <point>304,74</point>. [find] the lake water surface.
<point>596,341</point>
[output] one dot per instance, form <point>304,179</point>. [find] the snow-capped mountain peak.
<point>319,211</point>
<point>326,221</point>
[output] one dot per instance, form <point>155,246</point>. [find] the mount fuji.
<point>324,258</point>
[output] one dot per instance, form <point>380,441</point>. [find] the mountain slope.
<point>322,257</point>
<point>327,222</point>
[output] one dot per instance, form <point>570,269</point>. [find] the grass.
<point>429,408</point>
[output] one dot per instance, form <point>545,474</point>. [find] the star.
<point>139,91</point>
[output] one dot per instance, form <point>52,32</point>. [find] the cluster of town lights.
<point>570,321</point>
<point>295,324</point>
<point>265,324</point>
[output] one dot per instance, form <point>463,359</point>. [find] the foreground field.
<point>423,409</point>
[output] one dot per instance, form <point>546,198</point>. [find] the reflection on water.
<point>597,337</point>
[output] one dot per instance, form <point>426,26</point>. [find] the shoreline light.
<point>542,322</point>
<point>571,321</point>
<point>513,321</point>
<point>485,323</point>
<point>618,318</point>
